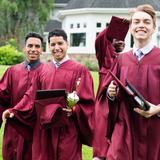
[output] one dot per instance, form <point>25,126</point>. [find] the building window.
<point>98,25</point>
<point>71,25</point>
<point>107,24</point>
<point>78,25</point>
<point>78,39</point>
<point>97,34</point>
<point>85,25</point>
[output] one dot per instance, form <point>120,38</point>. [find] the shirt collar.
<point>146,49</point>
<point>33,64</point>
<point>66,58</point>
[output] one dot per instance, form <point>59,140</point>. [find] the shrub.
<point>9,55</point>
<point>92,66</point>
<point>13,43</point>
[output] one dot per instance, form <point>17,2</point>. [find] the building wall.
<point>90,19</point>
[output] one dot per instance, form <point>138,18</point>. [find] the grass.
<point>1,138</point>
<point>86,151</point>
<point>2,69</point>
<point>95,79</point>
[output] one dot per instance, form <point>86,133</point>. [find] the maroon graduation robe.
<point>56,136</point>
<point>106,55</point>
<point>13,85</point>
<point>135,137</point>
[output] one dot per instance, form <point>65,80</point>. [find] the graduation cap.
<point>118,28</point>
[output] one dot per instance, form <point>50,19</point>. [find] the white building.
<point>84,19</point>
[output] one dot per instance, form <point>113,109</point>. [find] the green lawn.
<point>87,151</point>
<point>2,69</point>
<point>95,79</point>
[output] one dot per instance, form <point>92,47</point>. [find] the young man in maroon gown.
<point>59,131</point>
<point>109,44</point>
<point>135,135</point>
<point>13,85</point>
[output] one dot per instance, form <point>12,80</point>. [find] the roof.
<point>52,24</point>
<point>61,1</point>
<point>73,4</point>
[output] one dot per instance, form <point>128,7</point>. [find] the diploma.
<point>45,94</point>
<point>133,93</point>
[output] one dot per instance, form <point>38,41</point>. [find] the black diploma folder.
<point>45,94</point>
<point>133,93</point>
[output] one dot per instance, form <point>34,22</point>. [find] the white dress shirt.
<point>145,50</point>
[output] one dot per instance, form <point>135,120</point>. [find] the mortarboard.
<point>49,110</point>
<point>118,28</point>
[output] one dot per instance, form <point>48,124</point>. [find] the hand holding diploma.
<point>112,90</point>
<point>153,110</point>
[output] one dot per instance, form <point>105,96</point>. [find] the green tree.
<point>18,17</point>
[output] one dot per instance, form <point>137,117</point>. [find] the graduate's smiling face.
<point>58,47</point>
<point>33,49</point>
<point>142,26</point>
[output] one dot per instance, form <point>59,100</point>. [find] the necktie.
<point>138,54</point>
<point>29,67</point>
<point>57,64</point>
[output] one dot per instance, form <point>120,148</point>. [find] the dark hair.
<point>35,35</point>
<point>57,33</point>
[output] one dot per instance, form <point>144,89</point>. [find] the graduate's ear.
<point>154,27</point>
<point>49,46</point>
<point>68,44</point>
<point>41,50</point>
<point>24,49</point>
<point>130,26</point>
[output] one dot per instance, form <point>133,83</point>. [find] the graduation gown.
<point>106,56</point>
<point>13,85</point>
<point>135,137</point>
<point>56,136</point>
